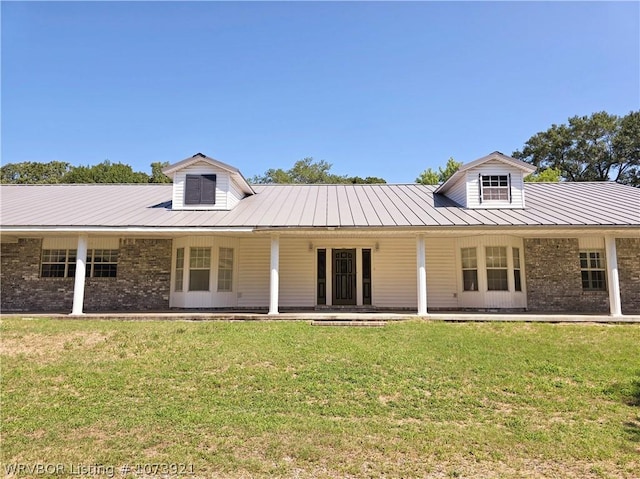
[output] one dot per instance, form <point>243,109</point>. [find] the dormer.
<point>202,183</point>
<point>494,181</point>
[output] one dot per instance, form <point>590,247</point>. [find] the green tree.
<point>32,172</point>
<point>157,176</point>
<point>309,171</point>
<point>430,177</point>
<point>600,147</point>
<point>105,172</point>
<point>548,175</point>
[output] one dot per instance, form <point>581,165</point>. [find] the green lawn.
<point>285,399</point>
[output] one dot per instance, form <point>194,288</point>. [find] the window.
<point>469,269</point>
<point>225,270</point>
<point>61,263</point>
<point>179,281</point>
<point>200,190</point>
<point>495,187</point>
<point>497,268</point>
<point>199,269</point>
<point>592,268</point>
<point>102,263</point>
<point>517,279</point>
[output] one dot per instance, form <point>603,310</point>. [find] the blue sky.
<point>375,88</point>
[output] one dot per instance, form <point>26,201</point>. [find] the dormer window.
<point>495,188</point>
<point>200,190</point>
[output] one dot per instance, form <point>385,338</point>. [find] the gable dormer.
<point>494,181</point>
<point>202,183</point>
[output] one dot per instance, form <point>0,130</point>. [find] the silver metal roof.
<point>409,205</point>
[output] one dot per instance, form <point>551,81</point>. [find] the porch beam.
<point>274,281</point>
<point>422,275</point>
<point>78,282</point>
<point>613,279</point>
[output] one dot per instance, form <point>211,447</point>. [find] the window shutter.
<point>192,190</point>
<point>208,193</point>
<point>480,188</point>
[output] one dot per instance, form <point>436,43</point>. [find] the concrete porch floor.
<point>337,317</point>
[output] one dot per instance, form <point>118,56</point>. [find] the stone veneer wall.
<point>553,279</point>
<point>142,284</point>
<point>628,252</point>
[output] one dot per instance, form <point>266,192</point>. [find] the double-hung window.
<point>469,269</point>
<point>495,187</point>
<point>61,263</point>
<point>592,269</point>
<point>496,257</point>
<point>199,269</point>
<point>225,270</point>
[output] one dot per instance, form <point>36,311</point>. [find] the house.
<point>483,240</point>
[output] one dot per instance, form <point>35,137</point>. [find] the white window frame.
<point>225,269</point>
<point>70,258</point>
<point>587,257</point>
<point>494,190</point>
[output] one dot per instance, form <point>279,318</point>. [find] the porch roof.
<point>304,206</point>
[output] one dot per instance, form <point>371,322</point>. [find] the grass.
<point>284,399</point>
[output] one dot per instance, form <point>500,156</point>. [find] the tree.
<point>31,172</point>
<point>157,176</point>
<point>309,171</point>
<point>105,172</point>
<point>430,177</point>
<point>549,175</point>
<point>600,147</point>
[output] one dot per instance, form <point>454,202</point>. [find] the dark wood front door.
<point>344,276</point>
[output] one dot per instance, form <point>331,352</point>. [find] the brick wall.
<point>554,283</point>
<point>628,252</point>
<point>142,284</point>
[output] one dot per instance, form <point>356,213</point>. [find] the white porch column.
<point>78,282</point>
<point>274,284</point>
<point>422,275</point>
<point>613,280</point>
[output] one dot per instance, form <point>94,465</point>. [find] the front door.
<point>344,276</point>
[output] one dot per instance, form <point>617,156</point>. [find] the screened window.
<point>225,270</point>
<point>61,263</point>
<point>179,281</point>
<point>200,190</point>
<point>517,278</point>
<point>592,269</point>
<point>469,269</point>
<point>495,187</point>
<point>199,269</point>
<point>497,268</point>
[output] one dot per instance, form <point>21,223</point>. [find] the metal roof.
<point>408,205</point>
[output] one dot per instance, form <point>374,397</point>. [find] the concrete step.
<point>377,324</point>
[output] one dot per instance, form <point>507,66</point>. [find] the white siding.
<point>222,187</point>
<point>211,298</point>
<point>297,273</point>
<point>458,192</point>
<point>395,274</point>
<point>442,288</point>
<point>591,242</point>
<point>235,194</point>
<point>483,298</point>
<point>254,260</point>
<point>72,243</point>
<point>495,168</point>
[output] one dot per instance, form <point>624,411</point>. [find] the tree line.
<point>599,147</point>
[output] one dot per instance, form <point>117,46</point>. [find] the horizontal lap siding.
<point>495,168</point>
<point>441,274</point>
<point>253,272</point>
<point>395,273</point>
<point>297,273</point>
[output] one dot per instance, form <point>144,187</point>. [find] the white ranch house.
<point>484,240</point>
